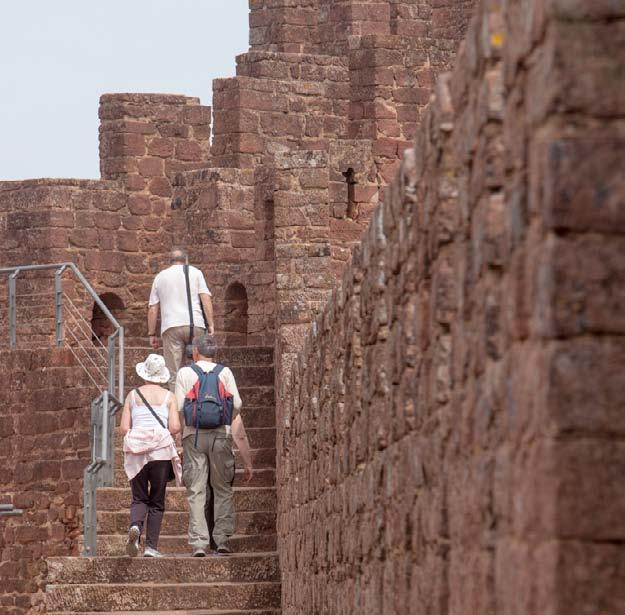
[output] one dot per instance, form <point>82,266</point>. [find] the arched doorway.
<point>101,327</point>
<point>235,315</point>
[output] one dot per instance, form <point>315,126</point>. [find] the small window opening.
<point>236,315</point>
<point>352,206</point>
<point>101,326</point>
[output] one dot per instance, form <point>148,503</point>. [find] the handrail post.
<point>120,381</point>
<point>111,363</point>
<point>58,303</point>
<point>105,427</point>
<point>12,309</point>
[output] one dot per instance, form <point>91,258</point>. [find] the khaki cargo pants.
<point>175,340</point>
<point>211,462</point>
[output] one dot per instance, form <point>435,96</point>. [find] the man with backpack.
<point>184,301</point>
<point>208,397</point>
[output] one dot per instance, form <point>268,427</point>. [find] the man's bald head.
<point>178,257</point>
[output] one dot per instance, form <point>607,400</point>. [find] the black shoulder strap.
<point>186,278</point>
<point>147,405</point>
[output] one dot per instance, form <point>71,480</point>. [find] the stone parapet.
<point>449,440</point>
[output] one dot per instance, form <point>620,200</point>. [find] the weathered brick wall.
<point>450,441</point>
<point>44,448</point>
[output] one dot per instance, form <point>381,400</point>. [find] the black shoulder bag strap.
<point>147,405</point>
<point>186,277</point>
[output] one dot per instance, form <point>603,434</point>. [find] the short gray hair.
<point>205,345</point>
<point>178,255</point>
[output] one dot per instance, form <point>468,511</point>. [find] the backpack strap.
<point>188,284</point>
<point>147,405</point>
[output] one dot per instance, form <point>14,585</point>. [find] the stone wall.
<point>44,449</point>
<point>451,438</point>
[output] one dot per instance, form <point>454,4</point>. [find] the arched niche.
<point>235,315</point>
<point>101,327</point>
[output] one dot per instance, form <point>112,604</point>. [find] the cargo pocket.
<point>226,457</point>
<point>189,474</point>
<point>230,469</point>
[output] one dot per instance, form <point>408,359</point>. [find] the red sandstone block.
<point>127,241</point>
<point>591,301</point>
<point>181,131</point>
<point>582,185</point>
<point>593,49</point>
<point>243,239</point>
<point>164,148</point>
<point>139,204</point>
<point>574,10</point>
<point>160,186</point>
<point>196,115</point>
<point>111,167</point>
<point>282,124</point>
<point>591,496</point>
<point>189,151</point>
<point>249,143</point>
<point>150,166</point>
<point>134,182</point>
<point>385,147</point>
<point>413,28</point>
<point>572,370</point>
<point>104,261</point>
<point>107,220</point>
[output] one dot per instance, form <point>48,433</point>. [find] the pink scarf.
<point>153,444</point>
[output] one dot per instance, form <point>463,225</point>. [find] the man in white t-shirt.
<point>169,296</point>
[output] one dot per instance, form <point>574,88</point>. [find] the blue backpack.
<point>207,405</point>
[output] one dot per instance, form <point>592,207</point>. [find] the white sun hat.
<point>153,369</point>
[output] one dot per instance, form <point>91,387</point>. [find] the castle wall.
<point>44,449</point>
<point>450,439</point>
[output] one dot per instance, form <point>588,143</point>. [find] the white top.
<point>141,416</point>
<point>170,290</point>
<point>185,380</point>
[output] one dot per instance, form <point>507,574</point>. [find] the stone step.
<point>185,612</point>
<point>258,437</point>
<point>253,396</point>
<point>177,523</point>
<point>261,458</point>
<point>91,570</point>
<point>157,596</point>
<point>245,499</point>
<point>261,478</point>
<point>114,545</point>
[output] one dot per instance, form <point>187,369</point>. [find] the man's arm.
<point>152,318</point>
<point>207,304</point>
<point>241,442</point>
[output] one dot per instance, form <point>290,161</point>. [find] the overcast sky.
<point>58,56</point>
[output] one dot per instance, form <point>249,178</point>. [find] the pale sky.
<point>58,56</point>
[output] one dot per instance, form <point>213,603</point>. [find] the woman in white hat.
<point>149,419</point>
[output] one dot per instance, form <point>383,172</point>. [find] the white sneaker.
<point>132,545</point>
<point>199,552</point>
<point>150,552</point>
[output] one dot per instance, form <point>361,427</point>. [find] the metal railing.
<point>8,510</point>
<point>104,365</point>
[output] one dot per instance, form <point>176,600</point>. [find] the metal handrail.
<point>8,510</point>
<point>99,472</point>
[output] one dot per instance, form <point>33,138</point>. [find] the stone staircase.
<point>247,582</point>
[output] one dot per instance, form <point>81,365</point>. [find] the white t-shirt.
<point>170,290</point>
